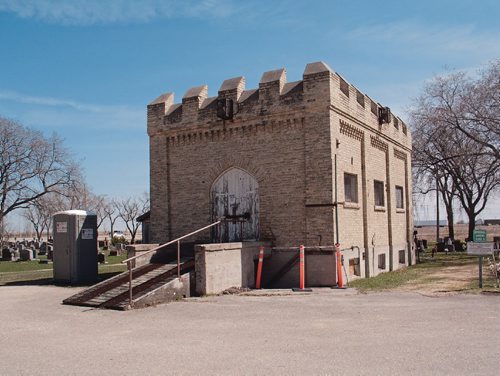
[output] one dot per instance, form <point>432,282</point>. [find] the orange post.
<point>259,267</point>
<point>302,267</point>
<point>340,282</point>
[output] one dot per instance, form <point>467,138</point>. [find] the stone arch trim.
<point>235,162</point>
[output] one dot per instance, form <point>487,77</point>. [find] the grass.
<point>418,274</point>
<point>32,272</point>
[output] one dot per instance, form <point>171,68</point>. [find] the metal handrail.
<point>171,242</point>
<point>178,241</point>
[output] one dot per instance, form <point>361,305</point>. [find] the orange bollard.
<point>340,282</point>
<point>302,271</point>
<point>259,267</point>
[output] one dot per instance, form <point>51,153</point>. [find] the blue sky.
<point>87,69</point>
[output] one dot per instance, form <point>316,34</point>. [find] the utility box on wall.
<point>75,246</point>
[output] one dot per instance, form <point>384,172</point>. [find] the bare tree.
<point>5,232</point>
<point>131,208</point>
<point>427,179</point>
<point>31,166</point>
<point>468,105</point>
<point>111,213</point>
<point>39,216</point>
<point>450,142</point>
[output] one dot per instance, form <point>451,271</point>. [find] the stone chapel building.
<point>277,161</point>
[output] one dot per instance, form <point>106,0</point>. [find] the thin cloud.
<point>57,112</point>
<point>57,102</point>
<point>117,11</point>
<point>412,36</point>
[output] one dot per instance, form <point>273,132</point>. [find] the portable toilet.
<point>75,246</point>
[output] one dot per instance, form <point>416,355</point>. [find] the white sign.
<point>479,249</point>
<point>61,227</point>
<point>87,233</point>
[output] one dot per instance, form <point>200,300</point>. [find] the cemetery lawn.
<point>455,272</point>
<point>32,272</point>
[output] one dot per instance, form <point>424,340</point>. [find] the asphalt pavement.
<point>327,332</point>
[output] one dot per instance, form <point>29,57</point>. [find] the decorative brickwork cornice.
<point>350,130</point>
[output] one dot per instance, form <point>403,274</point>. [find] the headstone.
<point>26,254</point>
<point>6,255</point>
<point>50,252</point>
<point>441,247</point>
<point>15,255</point>
<point>100,258</point>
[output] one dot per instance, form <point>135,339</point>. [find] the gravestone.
<point>6,255</point>
<point>26,254</point>
<point>15,255</point>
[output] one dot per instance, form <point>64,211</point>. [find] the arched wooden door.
<point>235,196</point>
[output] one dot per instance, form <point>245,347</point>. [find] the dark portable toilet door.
<point>235,194</point>
<point>62,235</point>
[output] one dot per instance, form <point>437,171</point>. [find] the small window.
<point>381,261</point>
<point>399,197</point>
<point>378,187</point>
<point>402,258</point>
<point>350,187</point>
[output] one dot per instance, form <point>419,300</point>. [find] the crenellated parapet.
<point>319,90</point>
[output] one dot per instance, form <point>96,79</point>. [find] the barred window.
<point>378,188</point>
<point>350,187</point>
<point>399,197</point>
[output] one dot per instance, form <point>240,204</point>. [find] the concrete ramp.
<point>152,284</point>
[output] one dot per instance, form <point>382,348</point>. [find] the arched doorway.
<point>235,196</point>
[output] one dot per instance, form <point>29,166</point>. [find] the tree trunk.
<point>472,225</point>
<point>451,226</point>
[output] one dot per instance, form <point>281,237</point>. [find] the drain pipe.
<point>337,143</point>
<point>338,259</point>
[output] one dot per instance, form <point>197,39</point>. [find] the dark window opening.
<point>402,256</point>
<point>378,188</point>
<point>381,261</point>
<point>350,187</point>
<point>399,197</point>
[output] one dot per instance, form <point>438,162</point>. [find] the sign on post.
<point>479,249</point>
<point>479,236</point>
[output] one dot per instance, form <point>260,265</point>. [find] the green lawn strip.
<point>389,280</point>
<point>22,266</point>
<point>30,277</point>
<point>416,274</point>
<point>38,275</point>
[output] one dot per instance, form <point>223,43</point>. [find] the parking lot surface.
<point>327,332</point>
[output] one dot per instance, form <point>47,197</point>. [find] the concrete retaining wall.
<point>221,266</point>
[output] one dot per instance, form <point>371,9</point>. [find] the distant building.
<point>427,223</point>
<point>491,222</point>
<point>268,155</point>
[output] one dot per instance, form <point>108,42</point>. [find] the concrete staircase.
<point>152,283</point>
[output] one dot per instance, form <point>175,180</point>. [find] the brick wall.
<point>285,135</point>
